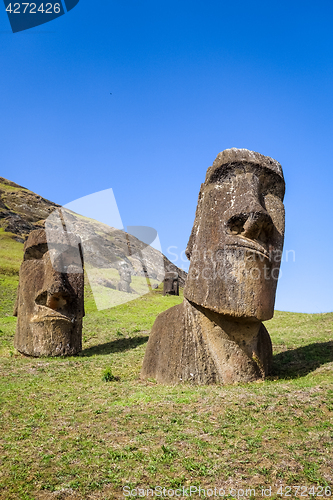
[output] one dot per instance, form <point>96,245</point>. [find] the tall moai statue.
<point>216,335</point>
<point>171,284</point>
<point>50,298</point>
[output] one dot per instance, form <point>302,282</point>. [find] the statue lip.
<point>242,242</point>
<point>44,313</point>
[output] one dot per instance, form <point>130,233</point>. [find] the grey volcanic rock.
<point>21,210</point>
<point>235,249</point>
<point>49,306</point>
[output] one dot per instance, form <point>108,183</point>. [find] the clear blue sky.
<point>188,79</point>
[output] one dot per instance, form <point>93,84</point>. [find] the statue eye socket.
<point>273,185</point>
<point>273,190</point>
<point>71,257</point>
<point>35,252</point>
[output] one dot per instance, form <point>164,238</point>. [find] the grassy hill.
<point>22,211</point>
<point>66,433</point>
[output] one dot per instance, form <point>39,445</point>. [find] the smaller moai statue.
<point>171,284</point>
<point>124,284</point>
<point>50,298</point>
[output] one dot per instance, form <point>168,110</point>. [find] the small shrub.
<point>168,452</point>
<point>108,376</point>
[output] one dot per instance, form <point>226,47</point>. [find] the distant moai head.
<point>236,243</point>
<point>171,284</point>
<point>125,274</point>
<point>50,299</point>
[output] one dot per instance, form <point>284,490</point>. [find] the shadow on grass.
<point>303,360</point>
<point>118,345</point>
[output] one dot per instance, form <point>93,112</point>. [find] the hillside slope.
<point>22,211</point>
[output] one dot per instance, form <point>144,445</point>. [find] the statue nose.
<point>56,292</point>
<point>57,300</point>
<point>255,225</point>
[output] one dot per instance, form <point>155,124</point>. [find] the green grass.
<point>84,427</point>
<point>11,252</point>
<point>106,297</point>
<point>7,187</point>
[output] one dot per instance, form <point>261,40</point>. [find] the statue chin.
<point>234,286</point>
<point>53,336</point>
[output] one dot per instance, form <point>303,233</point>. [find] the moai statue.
<point>216,335</point>
<point>171,284</point>
<point>50,299</point>
<point>124,285</point>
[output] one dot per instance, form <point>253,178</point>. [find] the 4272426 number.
<point>304,491</point>
<point>31,8</point>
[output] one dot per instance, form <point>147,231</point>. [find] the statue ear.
<point>190,244</point>
<point>196,224</point>
<point>16,304</point>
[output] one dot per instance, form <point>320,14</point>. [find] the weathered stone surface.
<point>237,237</point>
<point>190,343</point>
<point>50,299</point>
<point>235,248</point>
<point>171,284</point>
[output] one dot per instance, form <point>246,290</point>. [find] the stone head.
<point>50,300</point>
<point>171,283</point>
<point>125,272</point>
<point>236,243</point>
